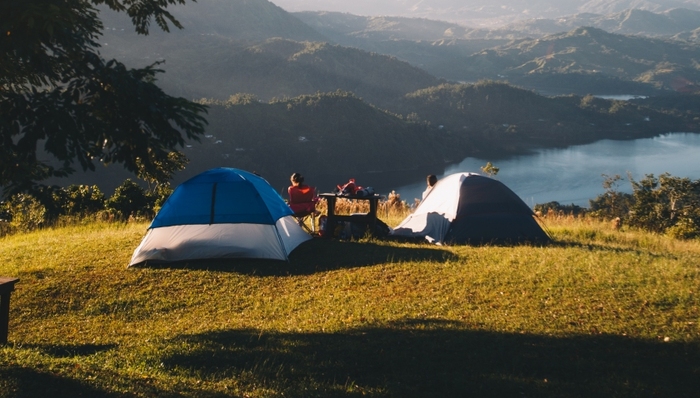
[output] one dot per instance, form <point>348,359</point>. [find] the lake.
<point>570,175</point>
<point>573,175</point>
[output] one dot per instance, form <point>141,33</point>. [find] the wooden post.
<point>7,286</point>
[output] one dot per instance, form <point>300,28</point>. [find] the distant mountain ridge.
<point>351,29</point>
<point>483,13</point>
<point>577,60</point>
<point>632,22</point>
<point>663,64</point>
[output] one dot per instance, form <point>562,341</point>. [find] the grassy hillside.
<point>599,313</point>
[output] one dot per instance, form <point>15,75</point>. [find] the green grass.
<point>598,313</point>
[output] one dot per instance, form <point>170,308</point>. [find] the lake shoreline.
<point>573,175</point>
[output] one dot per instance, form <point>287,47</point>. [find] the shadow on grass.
<point>421,358</point>
<point>319,255</point>
<point>19,382</point>
<point>410,358</point>
<point>72,350</point>
<point>564,244</point>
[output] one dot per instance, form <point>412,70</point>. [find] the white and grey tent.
<point>221,213</point>
<point>470,208</point>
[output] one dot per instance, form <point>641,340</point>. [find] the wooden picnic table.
<point>7,286</point>
<point>368,220</point>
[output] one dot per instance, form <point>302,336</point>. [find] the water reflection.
<point>573,175</point>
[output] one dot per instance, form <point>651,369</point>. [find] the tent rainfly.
<point>470,208</point>
<point>221,213</point>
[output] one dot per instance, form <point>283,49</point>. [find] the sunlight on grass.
<point>348,318</point>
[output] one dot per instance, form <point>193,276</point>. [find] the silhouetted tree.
<point>62,103</point>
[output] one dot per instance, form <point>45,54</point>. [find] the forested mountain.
<point>693,35</point>
<point>327,110</point>
<point>240,20</point>
<point>337,134</point>
<point>334,136</point>
<point>230,46</point>
<point>499,116</point>
<point>321,134</point>
<point>210,67</point>
<point>326,135</point>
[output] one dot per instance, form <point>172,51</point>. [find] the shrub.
<point>80,200</point>
<point>159,196</point>
<point>613,203</point>
<point>24,213</point>
<point>664,202</point>
<point>559,209</point>
<point>685,228</point>
<point>610,205</point>
<point>129,200</point>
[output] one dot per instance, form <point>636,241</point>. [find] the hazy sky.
<point>359,7</point>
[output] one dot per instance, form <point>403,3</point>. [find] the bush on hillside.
<point>666,204</point>
<point>22,213</point>
<point>79,200</point>
<point>159,196</point>
<point>130,200</point>
<point>613,203</point>
<point>559,209</point>
<point>610,205</point>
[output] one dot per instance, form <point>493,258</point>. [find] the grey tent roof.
<point>470,208</point>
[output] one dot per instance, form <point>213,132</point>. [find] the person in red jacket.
<point>302,198</point>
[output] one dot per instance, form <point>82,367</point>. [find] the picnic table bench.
<point>7,286</point>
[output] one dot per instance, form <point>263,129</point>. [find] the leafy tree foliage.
<point>129,199</point>
<point>62,103</point>
<point>333,133</point>
<point>663,204</point>
<point>490,169</point>
<point>79,200</point>
<point>559,209</point>
<point>25,212</point>
<point>667,204</point>
<point>22,213</point>
<point>612,203</point>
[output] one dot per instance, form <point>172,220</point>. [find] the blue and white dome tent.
<point>221,213</point>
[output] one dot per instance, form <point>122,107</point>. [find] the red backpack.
<point>350,188</point>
